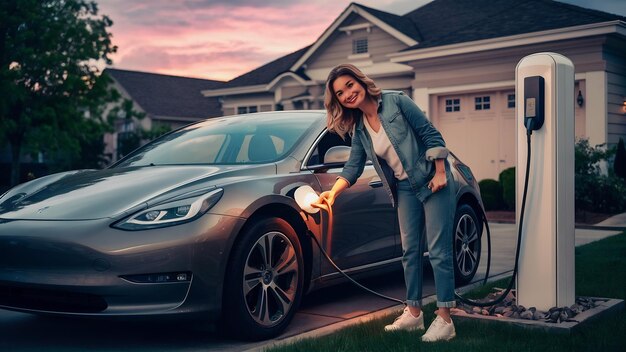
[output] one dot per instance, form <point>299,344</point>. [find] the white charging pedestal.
<point>546,264</point>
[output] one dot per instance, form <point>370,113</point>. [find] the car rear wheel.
<point>467,246</point>
<point>264,281</point>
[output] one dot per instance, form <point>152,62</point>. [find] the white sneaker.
<point>407,321</point>
<point>439,330</point>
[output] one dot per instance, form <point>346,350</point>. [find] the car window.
<point>242,139</point>
<point>328,141</point>
<point>277,146</point>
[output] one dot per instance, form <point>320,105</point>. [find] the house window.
<point>453,105</point>
<point>247,109</point>
<point>482,103</point>
<point>359,46</point>
<point>128,126</point>
<point>510,98</point>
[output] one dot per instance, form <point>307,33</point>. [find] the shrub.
<point>594,191</point>
<point>491,193</point>
<point>619,165</point>
<point>507,181</point>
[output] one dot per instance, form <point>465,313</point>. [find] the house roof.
<point>445,22</point>
<point>266,73</point>
<point>171,96</point>
<point>400,23</point>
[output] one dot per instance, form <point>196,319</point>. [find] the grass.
<point>600,272</point>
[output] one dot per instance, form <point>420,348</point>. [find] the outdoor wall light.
<point>580,100</point>
<point>624,106</point>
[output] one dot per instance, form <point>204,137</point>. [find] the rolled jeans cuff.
<point>450,304</point>
<point>412,303</point>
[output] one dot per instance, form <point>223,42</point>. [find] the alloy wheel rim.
<point>466,239</point>
<point>270,279</point>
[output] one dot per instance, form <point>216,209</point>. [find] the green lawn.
<point>600,272</point>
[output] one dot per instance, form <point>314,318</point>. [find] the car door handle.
<point>376,184</point>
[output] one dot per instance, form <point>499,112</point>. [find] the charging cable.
<point>468,301</point>
<point>519,240</point>
<point>329,209</point>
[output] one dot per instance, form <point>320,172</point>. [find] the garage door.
<point>479,128</point>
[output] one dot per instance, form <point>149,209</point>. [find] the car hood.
<point>96,194</point>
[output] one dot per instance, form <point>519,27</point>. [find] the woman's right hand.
<point>326,199</point>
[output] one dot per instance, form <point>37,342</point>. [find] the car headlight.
<point>171,213</point>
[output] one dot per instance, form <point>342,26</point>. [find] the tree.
<point>50,88</point>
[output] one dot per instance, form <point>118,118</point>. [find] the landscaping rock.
<point>510,310</point>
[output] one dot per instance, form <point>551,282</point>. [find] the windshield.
<point>244,139</point>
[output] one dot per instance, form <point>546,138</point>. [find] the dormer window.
<point>359,46</point>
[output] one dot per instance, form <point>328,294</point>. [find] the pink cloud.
<point>211,38</point>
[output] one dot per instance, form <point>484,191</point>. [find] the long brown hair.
<point>340,119</point>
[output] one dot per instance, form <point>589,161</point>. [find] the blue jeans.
<point>434,217</point>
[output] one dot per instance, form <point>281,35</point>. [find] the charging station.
<point>545,105</point>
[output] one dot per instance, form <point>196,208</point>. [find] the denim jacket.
<point>413,137</point>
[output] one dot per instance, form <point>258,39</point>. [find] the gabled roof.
<point>169,96</point>
<point>399,27</point>
<point>474,20</point>
<point>440,23</point>
<point>399,23</point>
<point>266,73</point>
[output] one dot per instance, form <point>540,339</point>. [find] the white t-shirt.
<point>384,149</point>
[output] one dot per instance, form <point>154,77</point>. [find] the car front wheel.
<point>264,281</point>
<point>467,235</point>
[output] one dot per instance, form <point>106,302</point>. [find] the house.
<point>167,100</point>
<point>456,59</point>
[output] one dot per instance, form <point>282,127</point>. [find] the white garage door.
<point>479,128</point>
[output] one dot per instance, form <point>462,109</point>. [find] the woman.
<point>409,155</point>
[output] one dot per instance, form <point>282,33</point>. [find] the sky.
<point>222,39</point>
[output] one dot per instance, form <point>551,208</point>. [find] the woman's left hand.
<point>438,182</point>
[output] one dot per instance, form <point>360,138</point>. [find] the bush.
<point>600,194</point>
<point>491,193</point>
<point>596,192</point>
<point>619,165</point>
<point>507,181</point>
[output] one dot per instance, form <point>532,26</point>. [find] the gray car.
<point>202,222</point>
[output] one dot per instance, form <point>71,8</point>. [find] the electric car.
<point>203,221</point>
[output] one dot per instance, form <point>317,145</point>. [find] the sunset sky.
<point>221,39</point>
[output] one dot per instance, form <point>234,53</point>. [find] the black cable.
<point>348,276</point>
<point>486,222</point>
<point>519,239</point>
<point>484,216</point>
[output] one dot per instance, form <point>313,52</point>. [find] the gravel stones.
<point>508,309</point>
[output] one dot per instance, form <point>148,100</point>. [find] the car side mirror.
<point>337,155</point>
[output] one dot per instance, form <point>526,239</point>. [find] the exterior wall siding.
<point>293,91</point>
<point>338,46</point>
<point>615,55</point>
<point>402,83</point>
<point>499,65</point>
<point>232,102</point>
